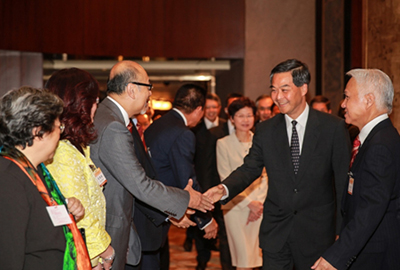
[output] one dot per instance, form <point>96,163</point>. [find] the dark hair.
<point>232,95</point>
<point>239,104</point>
<point>118,83</point>
<point>189,97</point>
<point>321,99</point>
<point>300,73</point>
<point>79,91</point>
<point>22,110</point>
<point>214,97</point>
<point>263,96</point>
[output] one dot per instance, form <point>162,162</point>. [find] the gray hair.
<point>118,83</point>
<point>26,108</point>
<point>377,82</point>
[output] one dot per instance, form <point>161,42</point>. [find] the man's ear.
<point>370,98</point>
<point>304,89</point>
<point>131,90</point>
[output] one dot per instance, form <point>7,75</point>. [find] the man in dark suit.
<point>128,91</point>
<point>370,235</point>
<point>205,172</point>
<point>306,155</point>
<point>172,145</point>
<point>264,107</point>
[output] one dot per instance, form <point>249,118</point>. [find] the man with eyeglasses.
<point>128,91</point>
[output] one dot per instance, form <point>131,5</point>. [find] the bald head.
<point>122,73</point>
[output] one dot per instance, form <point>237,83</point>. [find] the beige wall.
<point>277,30</point>
<point>20,68</point>
<point>381,43</point>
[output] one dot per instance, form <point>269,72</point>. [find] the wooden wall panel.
<point>135,28</point>
<point>381,44</point>
<point>129,28</point>
<point>42,26</point>
<point>210,29</point>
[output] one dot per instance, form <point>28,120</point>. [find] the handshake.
<point>202,202</point>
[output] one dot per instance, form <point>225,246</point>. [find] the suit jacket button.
<point>295,190</point>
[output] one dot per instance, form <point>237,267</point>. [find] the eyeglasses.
<point>149,86</point>
<point>62,128</point>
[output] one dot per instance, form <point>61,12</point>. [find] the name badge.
<point>59,215</point>
<point>100,178</point>
<point>351,184</point>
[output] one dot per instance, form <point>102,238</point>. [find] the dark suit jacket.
<point>147,219</point>
<point>114,153</point>
<point>172,146</point>
<point>205,157</point>
<point>304,203</point>
<point>371,215</point>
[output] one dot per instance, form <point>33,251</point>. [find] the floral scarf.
<point>76,256</point>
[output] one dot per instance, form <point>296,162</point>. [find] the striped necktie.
<point>295,148</point>
<point>354,151</point>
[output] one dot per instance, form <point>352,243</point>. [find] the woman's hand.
<point>108,257</point>
<point>76,208</point>
<point>256,210</point>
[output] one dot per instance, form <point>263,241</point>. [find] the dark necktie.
<point>354,151</point>
<point>295,148</point>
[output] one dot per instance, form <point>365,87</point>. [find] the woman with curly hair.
<point>30,201</point>
<point>72,168</point>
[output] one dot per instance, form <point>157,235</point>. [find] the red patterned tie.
<point>354,151</point>
<point>141,131</point>
<point>129,126</point>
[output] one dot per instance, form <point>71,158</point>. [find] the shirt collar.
<point>231,127</point>
<point>210,124</point>
<point>371,124</point>
<point>182,115</point>
<point>123,112</point>
<point>301,120</point>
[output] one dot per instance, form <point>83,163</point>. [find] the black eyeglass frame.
<point>149,86</point>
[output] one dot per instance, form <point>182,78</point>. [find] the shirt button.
<point>295,190</point>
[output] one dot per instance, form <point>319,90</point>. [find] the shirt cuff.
<point>227,193</point>
<point>207,224</point>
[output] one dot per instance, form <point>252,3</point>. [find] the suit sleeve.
<point>340,165</point>
<point>181,158</point>
<point>375,180</point>
<point>116,145</point>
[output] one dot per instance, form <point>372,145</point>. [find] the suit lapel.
<point>362,149</point>
<point>281,139</point>
<point>310,140</point>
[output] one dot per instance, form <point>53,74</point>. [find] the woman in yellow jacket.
<point>72,168</point>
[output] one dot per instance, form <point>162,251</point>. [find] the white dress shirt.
<point>123,112</point>
<point>300,127</point>
<point>210,124</point>
<point>368,127</point>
